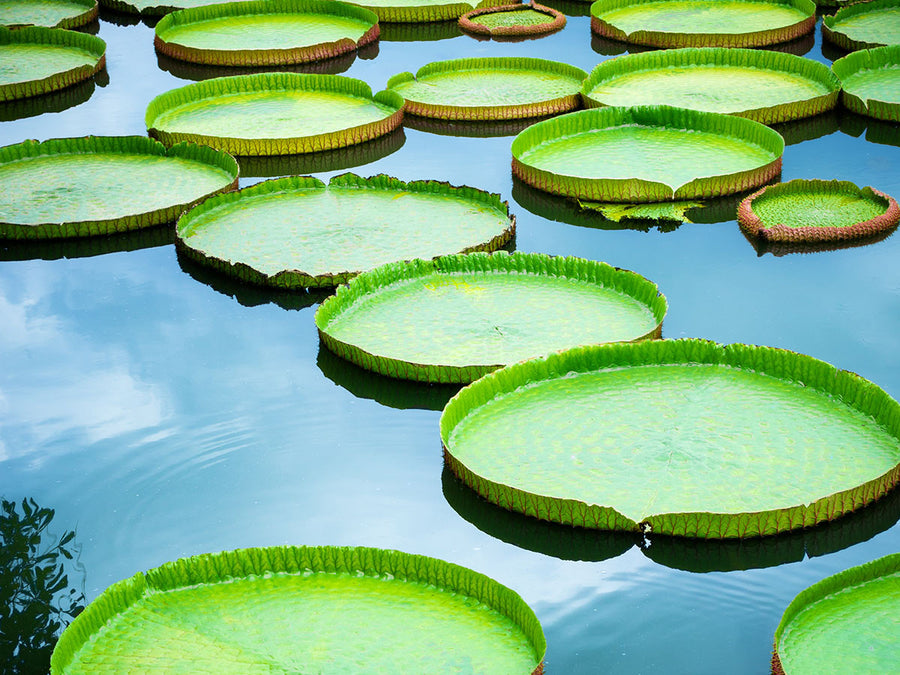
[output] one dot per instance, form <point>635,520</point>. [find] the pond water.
<point>163,412</point>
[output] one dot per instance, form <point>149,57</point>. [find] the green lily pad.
<point>703,23</point>
<point>423,11</point>
<point>762,85</point>
<point>265,33</point>
<point>490,88</point>
<point>680,437</point>
<point>864,25</point>
<point>871,82</point>
<point>36,60</point>
<point>48,13</point>
<point>612,154</point>
<point>849,618</point>
<point>304,610</point>
<point>295,232</point>
<point>455,318</point>
<point>75,187</point>
<point>817,210</point>
<point>156,7</point>
<point>513,20</point>
<point>274,113</point>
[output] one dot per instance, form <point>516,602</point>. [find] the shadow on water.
<point>86,247</point>
<point>809,128</point>
<point>693,555</point>
<point>327,160</point>
<point>607,47</point>
<point>53,102</point>
<point>197,71</point>
<point>783,248</point>
<point>251,295</point>
<point>876,131</point>
<point>36,600</point>
<point>429,31</point>
<point>569,7</point>
<point>469,129</point>
<point>400,394</point>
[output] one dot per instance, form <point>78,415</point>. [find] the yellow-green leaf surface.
<point>522,17</point>
<point>766,86</point>
<point>421,319</point>
<point>685,435</point>
<point>304,610</point>
<point>298,232</point>
<point>850,619</point>
<point>819,205</point>
<point>95,185</point>
<point>49,13</point>
<point>871,81</point>
<point>865,25</point>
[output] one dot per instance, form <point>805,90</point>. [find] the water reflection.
<point>85,247</point>
<point>783,248</point>
<point>607,47</point>
<point>569,7</point>
<point>419,32</point>
<point>55,101</point>
<point>809,128</point>
<point>198,71</point>
<point>692,555</point>
<point>250,295</point>
<point>876,131</point>
<point>400,394</point>
<point>327,160</point>
<point>470,129</point>
<point>36,600</point>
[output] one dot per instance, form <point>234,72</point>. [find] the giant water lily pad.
<point>515,20</point>
<point>614,154</point>
<point>864,25</point>
<point>73,187</point>
<point>817,210</point>
<point>703,23</point>
<point>423,11</point>
<point>490,88</point>
<point>456,318</point>
<point>762,85</point>
<point>265,33</point>
<point>304,610</point>
<point>48,13</point>
<point>849,618</point>
<point>296,232</point>
<point>36,60</point>
<point>681,437</point>
<point>870,79</point>
<point>274,113</point>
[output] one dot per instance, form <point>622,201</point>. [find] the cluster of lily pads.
<point>659,436</point>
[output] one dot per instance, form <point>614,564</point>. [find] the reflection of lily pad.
<point>75,187</point>
<point>274,113</point>
<point>682,437</point>
<point>295,232</point>
<point>612,154</point>
<point>490,88</point>
<point>55,101</point>
<point>49,13</point>
<point>420,32</point>
<point>703,23</point>
<point>849,618</point>
<point>758,84</point>
<point>513,20</point>
<point>85,247</point>
<point>469,129</point>
<point>264,33</point>
<point>423,11</point>
<point>39,60</point>
<point>817,210</point>
<point>155,7</point>
<point>871,82</point>
<point>455,318</point>
<point>864,25</point>
<point>304,609</point>
<point>184,70</point>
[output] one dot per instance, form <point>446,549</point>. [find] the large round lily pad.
<point>817,210</point>
<point>864,25</point>
<point>762,85</point>
<point>490,88</point>
<point>274,113</point>
<point>48,13</point>
<point>681,437</point>
<point>516,20</point>
<point>849,618</point>
<point>613,154</point>
<point>423,11</point>
<point>295,232</point>
<point>265,33</point>
<point>870,79</point>
<point>455,318</point>
<point>703,23</point>
<point>74,187</point>
<point>38,60</point>
<point>304,610</point>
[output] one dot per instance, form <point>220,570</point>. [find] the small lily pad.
<point>39,60</point>
<point>455,318</point>
<point>304,610</point>
<point>817,210</point>
<point>849,618</point>
<point>516,20</point>
<point>864,25</point>
<point>871,82</point>
<point>48,13</point>
<point>490,88</point>
<point>265,33</point>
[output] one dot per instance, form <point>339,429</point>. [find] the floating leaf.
<point>871,82</point>
<point>513,20</point>
<point>67,14</point>
<point>864,25</point>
